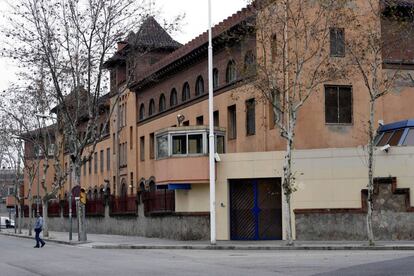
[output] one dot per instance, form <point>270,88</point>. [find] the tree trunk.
<point>20,217</point>
<point>370,187</point>
<point>45,218</point>
<point>81,207</point>
<point>30,218</point>
<point>287,189</point>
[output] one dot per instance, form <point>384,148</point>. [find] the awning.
<point>174,186</point>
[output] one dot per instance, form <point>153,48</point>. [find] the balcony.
<point>180,148</point>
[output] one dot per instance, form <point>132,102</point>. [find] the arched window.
<point>231,72</point>
<point>273,47</point>
<point>199,86</point>
<point>173,98</point>
<point>215,78</point>
<point>186,92</point>
<point>162,103</point>
<point>95,194</point>
<point>142,112</point>
<point>151,110</point>
<point>249,63</point>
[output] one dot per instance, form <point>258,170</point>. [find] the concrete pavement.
<point>101,241</point>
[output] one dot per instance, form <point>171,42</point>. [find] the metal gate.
<point>255,209</point>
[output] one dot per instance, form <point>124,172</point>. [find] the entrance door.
<point>255,209</point>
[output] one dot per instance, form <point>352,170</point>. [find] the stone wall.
<point>393,217</point>
<point>172,226</point>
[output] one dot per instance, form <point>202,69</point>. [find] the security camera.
<point>385,148</point>
<point>217,157</point>
<point>380,122</point>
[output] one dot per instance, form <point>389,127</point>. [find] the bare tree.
<point>381,39</point>
<point>293,62</point>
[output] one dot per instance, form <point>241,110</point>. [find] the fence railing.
<point>95,207</point>
<point>53,209</point>
<point>123,205</point>
<point>158,202</point>
<point>65,204</point>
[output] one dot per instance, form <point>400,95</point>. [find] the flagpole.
<point>211,133</point>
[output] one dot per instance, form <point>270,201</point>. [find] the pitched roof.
<point>152,35</point>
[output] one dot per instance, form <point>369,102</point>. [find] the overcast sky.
<point>196,22</point>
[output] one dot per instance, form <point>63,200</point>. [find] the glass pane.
<point>396,137</point>
<point>384,139</point>
<point>162,146</point>
<point>179,144</point>
<point>331,105</point>
<point>409,140</point>
<point>345,105</point>
<point>220,144</point>
<point>195,144</point>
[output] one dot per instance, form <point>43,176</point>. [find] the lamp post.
<point>211,133</point>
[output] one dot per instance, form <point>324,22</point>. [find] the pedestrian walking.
<point>38,228</point>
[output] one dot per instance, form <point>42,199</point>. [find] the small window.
<point>95,163</point>
<point>162,146</point>
<point>179,144</point>
<point>232,122</point>
<point>199,86</point>
<point>337,42</point>
<point>101,161</point>
<point>220,144</point>
<point>409,139</point>
<point>186,123</point>
<point>215,78</point>
<point>199,120</point>
<point>231,74</point>
<point>173,98</point>
<point>141,113</point>
<point>142,148</point>
<point>131,186</point>
<point>338,105</point>
<point>151,110</point>
<point>151,150</point>
<point>396,137</point>
<point>186,92</point>
<point>250,117</point>
<point>273,48</point>
<point>216,118</point>
<point>162,106</point>
<point>384,139</point>
<point>195,143</point>
<point>90,167</point>
<point>131,137</point>
<point>108,159</point>
<point>249,63</point>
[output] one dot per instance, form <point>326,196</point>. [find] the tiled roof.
<point>201,40</point>
<point>152,35</point>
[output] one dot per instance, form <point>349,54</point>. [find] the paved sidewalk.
<point>101,241</point>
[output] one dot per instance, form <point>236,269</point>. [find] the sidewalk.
<point>101,241</point>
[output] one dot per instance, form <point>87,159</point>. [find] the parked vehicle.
<point>5,222</point>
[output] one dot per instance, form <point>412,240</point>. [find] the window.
<point>151,149</point>
<point>272,122</point>
<point>249,63</point>
<point>220,144</point>
<point>131,186</point>
<point>199,120</point>
<point>142,112</point>
<point>108,159</point>
<point>215,78</point>
<point>199,86</point>
<point>162,146</point>
<point>186,123</point>
<point>101,163</point>
<point>186,92</point>
<point>95,163</point>
<point>273,47</point>
<point>179,144</point>
<point>392,138</point>
<point>337,42</point>
<point>162,105</point>
<point>232,122</point>
<point>338,105</point>
<point>250,117</point>
<point>231,75</point>
<point>151,110</point>
<point>195,143</point>
<point>113,142</point>
<point>409,139</point>
<point>131,137</point>
<point>121,115</point>
<point>90,167</point>
<point>216,118</point>
<point>142,148</point>
<point>173,98</point>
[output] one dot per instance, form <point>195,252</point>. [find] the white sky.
<point>195,22</point>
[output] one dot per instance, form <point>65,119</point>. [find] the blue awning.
<point>397,125</point>
<point>174,186</point>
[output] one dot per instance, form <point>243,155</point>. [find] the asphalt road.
<point>18,257</point>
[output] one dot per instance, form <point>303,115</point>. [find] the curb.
<point>231,247</point>
<point>45,239</point>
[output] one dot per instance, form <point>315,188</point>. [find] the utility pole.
<point>211,133</point>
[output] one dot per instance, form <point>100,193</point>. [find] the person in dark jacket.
<point>38,227</point>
